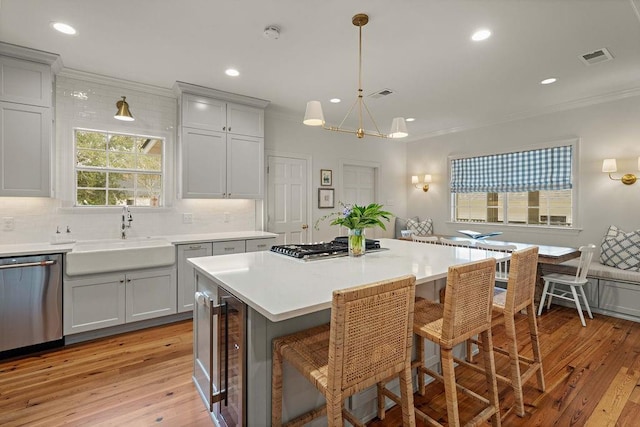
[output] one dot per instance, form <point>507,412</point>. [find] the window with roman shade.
<point>532,187</point>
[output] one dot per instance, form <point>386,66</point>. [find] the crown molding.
<point>182,87</point>
<point>33,55</point>
<point>119,83</point>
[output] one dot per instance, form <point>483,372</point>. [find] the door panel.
<point>287,201</point>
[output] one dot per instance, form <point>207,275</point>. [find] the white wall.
<point>605,130</point>
<point>329,150</point>
<point>85,100</point>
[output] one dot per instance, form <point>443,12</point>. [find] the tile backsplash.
<point>88,101</point>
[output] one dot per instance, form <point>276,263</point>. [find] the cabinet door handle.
<point>128,280</point>
<point>224,128</point>
<point>229,128</point>
<point>121,281</point>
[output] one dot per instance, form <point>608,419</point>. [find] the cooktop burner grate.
<point>337,247</point>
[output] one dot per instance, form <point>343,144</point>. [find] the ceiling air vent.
<point>600,55</point>
<point>380,93</point>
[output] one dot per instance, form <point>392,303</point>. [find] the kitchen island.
<point>281,295</point>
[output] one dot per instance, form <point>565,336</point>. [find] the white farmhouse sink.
<point>103,256</point>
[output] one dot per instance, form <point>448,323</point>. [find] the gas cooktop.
<point>337,247</point>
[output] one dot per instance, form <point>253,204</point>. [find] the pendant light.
<point>315,117</point>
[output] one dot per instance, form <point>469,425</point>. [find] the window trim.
<point>164,203</point>
<point>575,173</point>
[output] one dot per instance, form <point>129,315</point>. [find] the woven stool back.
<point>522,279</point>
<point>469,300</point>
<point>371,333</point>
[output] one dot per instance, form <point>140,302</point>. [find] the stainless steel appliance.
<point>219,352</point>
<point>338,247</point>
<point>30,303</point>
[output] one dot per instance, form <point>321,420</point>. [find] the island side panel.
<point>299,395</point>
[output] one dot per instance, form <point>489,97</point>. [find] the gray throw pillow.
<point>401,224</point>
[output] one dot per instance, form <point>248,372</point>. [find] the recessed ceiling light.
<point>64,28</point>
<point>480,35</point>
<point>410,119</point>
<point>335,100</point>
<point>232,72</point>
<point>548,81</point>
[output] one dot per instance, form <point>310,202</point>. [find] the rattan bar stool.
<point>466,312</point>
<point>368,340</point>
<point>510,302</point>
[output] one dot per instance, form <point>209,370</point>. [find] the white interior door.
<point>359,187</point>
<point>287,199</point>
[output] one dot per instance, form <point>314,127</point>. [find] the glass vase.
<point>356,242</point>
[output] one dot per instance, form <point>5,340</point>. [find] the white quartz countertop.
<point>48,248</point>
<point>281,287</point>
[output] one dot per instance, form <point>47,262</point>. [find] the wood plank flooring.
<point>144,378</point>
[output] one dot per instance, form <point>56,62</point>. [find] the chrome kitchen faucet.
<point>126,221</point>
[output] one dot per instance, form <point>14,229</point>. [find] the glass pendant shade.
<point>123,112</point>
<point>398,128</point>
<point>313,115</point>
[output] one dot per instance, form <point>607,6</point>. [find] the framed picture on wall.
<point>326,178</point>
<point>325,198</point>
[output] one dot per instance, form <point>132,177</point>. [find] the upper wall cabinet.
<point>200,112</point>
<point>26,121</point>
<point>221,144</point>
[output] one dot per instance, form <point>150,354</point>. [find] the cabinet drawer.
<point>230,247</point>
<point>256,245</point>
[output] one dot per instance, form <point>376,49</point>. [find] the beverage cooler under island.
<point>243,301</point>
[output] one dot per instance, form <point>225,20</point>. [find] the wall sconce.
<point>420,182</point>
<point>609,166</point>
<point>123,112</point>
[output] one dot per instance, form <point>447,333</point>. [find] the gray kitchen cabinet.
<point>102,300</point>
<point>186,283</point>
<point>201,112</point>
<point>186,287</point>
<point>221,144</point>
<point>26,127</point>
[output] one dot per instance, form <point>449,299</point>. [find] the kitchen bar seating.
<point>425,239</point>
<point>368,340</point>
<point>466,312</point>
<point>510,302</point>
<point>502,269</point>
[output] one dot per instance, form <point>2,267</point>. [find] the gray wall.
<point>605,130</point>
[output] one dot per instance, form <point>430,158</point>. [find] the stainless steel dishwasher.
<point>30,303</point>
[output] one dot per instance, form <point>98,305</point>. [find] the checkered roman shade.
<point>620,249</point>
<point>532,170</point>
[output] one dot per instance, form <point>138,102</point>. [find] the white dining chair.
<point>569,283</point>
<point>455,242</point>
<point>425,239</point>
<point>502,267</point>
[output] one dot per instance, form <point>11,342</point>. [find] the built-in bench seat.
<point>610,291</point>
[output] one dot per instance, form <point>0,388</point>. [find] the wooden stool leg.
<point>535,345</point>
<point>420,358</point>
<point>514,361</point>
<point>334,411</point>
<point>490,372</point>
<point>381,400</point>
<point>406,396</point>
<point>449,379</point>
<point>276,390</point>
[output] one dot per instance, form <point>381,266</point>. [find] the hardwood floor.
<point>144,378</point>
